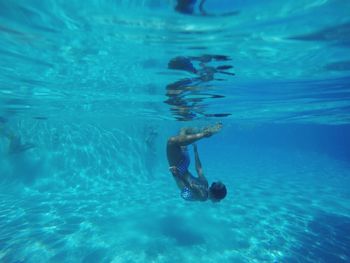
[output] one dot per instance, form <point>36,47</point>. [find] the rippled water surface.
<point>96,57</point>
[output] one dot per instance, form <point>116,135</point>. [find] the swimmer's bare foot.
<point>188,130</point>
<point>209,131</point>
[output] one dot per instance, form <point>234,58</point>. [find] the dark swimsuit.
<point>182,167</point>
<point>184,163</point>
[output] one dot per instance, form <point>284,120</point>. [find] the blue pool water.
<point>90,91</point>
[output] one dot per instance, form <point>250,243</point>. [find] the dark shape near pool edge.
<point>197,8</point>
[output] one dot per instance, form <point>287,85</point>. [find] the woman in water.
<point>192,188</point>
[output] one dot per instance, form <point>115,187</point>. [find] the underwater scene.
<point>165,131</point>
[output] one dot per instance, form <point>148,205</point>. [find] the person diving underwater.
<point>192,188</point>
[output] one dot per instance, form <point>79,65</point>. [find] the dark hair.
<point>218,190</point>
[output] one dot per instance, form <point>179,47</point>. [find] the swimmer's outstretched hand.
<point>209,131</point>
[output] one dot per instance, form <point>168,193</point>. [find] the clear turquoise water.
<point>83,85</point>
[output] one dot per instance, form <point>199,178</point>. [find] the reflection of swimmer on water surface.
<point>186,64</point>
<point>203,74</point>
<point>185,95</point>
<point>188,7</point>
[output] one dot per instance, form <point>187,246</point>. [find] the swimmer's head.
<point>217,191</point>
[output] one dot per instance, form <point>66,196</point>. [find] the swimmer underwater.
<point>192,188</point>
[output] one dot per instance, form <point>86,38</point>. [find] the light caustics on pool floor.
<point>292,210</point>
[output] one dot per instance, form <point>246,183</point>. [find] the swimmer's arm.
<point>198,163</point>
<point>201,193</point>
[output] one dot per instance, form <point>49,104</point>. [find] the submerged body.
<point>192,188</point>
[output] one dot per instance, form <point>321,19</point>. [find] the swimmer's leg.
<point>175,143</point>
<point>190,135</point>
